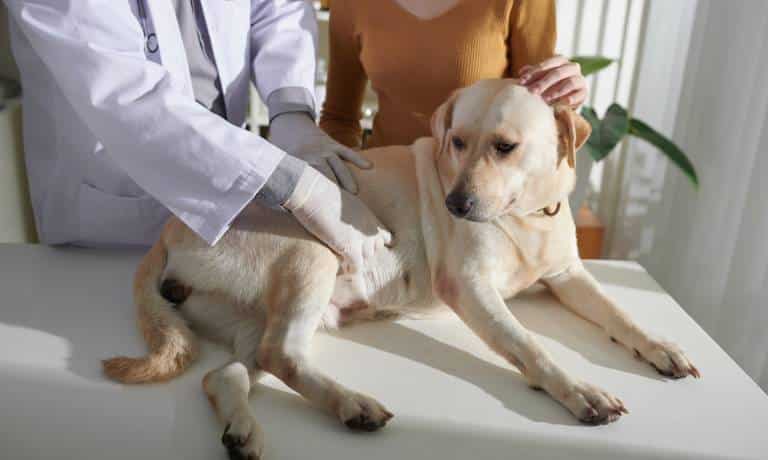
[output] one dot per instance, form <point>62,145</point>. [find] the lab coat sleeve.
<point>199,166</point>
<point>283,49</point>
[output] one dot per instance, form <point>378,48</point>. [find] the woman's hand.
<point>557,80</point>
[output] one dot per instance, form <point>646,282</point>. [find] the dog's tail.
<point>172,345</point>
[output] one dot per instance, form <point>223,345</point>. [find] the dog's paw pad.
<point>360,412</point>
<point>363,423</point>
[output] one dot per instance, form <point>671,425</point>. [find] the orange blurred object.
<point>589,233</point>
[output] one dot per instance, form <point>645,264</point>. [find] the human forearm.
<point>195,163</point>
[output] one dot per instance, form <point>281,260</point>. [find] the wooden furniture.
<point>65,309</point>
<point>17,224</point>
<point>589,234</point>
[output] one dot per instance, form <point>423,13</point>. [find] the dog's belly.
<point>397,279</point>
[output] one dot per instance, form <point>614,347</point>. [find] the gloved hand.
<point>337,218</point>
<point>298,135</point>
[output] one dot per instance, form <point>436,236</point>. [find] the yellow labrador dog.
<point>479,212</point>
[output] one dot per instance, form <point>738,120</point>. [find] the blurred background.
<point>695,70</point>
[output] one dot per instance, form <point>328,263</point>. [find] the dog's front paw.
<point>668,360</point>
<point>243,438</point>
<point>360,412</point>
<point>591,404</point>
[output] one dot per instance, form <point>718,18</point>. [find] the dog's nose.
<point>460,204</point>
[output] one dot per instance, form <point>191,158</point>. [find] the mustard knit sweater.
<point>414,64</point>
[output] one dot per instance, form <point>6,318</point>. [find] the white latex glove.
<point>337,218</point>
<point>298,135</point>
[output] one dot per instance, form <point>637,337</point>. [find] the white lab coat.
<point>113,135</point>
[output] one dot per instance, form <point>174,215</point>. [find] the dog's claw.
<point>590,415</point>
<point>694,371</point>
<point>226,439</point>
<point>623,409</point>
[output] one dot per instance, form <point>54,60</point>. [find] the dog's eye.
<point>458,143</point>
<point>504,147</point>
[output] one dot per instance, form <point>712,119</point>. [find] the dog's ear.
<point>573,132</point>
<point>442,119</point>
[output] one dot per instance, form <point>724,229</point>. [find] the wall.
<point>16,221</point>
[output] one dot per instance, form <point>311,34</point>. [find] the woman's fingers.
<point>560,89</point>
<point>573,100</point>
<point>531,72</point>
<point>570,91</point>
<point>557,80</point>
<point>553,76</point>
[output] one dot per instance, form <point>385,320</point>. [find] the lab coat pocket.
<point>112,220</point>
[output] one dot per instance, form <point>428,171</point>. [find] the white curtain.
<point>709,248</point>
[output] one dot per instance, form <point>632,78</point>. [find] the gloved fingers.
<point>386,237</point>
<point>369,248</point>
<point>352,260</point>
<point>354,157</point>
<point>376,243</point>
<point>345,179</point>
<point>325,169</point>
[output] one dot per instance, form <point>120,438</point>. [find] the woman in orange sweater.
<point>417,52</point>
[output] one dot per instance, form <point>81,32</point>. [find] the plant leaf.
<point>589,114</point>
<point>641,130</point>
<point>592,64</point>
<point>606,133</point>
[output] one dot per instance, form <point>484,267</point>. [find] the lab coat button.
<point>152,45</point>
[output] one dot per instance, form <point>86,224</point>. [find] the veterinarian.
<point>417,52</point>
<point>134,108</point>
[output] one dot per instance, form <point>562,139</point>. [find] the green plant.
<point>617,123</point>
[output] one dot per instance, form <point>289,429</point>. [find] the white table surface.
<point>62,310</point>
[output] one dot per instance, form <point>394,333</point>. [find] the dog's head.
<point>504,150</point>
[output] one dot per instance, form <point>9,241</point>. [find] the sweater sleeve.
<point>342,109</point>
<point>532,33</point>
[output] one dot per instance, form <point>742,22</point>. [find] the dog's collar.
<point>538,219</point>
<point>552,213</point>
<point>547,211</point>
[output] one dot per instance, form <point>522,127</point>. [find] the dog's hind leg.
<point>292,320</point>
<point>228,388</point>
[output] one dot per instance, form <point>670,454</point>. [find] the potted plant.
<point>609,131</point>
